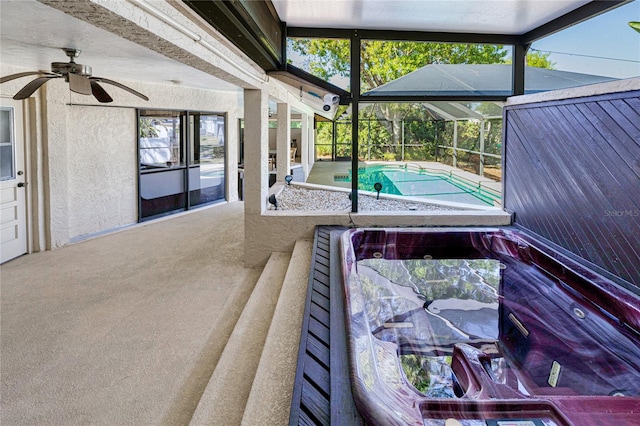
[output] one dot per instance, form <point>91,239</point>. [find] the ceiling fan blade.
<point>31,87</point>
<point>24,74</point>
<point>122,86</point>
<point>79,84</point>
<point>100,94</point>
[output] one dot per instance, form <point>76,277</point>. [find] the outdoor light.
<point>377,186</point>
<point>288,179</point>
<point>272,200</point>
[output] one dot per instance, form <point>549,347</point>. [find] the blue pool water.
<point>421,183</point>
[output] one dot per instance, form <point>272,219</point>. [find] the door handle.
<point>22,184</point>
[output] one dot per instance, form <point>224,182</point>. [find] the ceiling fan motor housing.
<point>66,68</point>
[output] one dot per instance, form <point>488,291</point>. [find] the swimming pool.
<point>485,327</point>
<point>417,181</point>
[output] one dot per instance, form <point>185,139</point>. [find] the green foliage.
<point>385,126</point>
<point>385,61</point>
<point>429,375</point>
<point>146,128</point>
<point>414,372</point>
<point>469,135</point>
<point>325,58</point>
<point>325,139</point>
<point>389,156</point>
<point>635,25</point>
<point>469,138</point>
<point>376,139</point>
<point>419,132</point>
<point>540,60</point>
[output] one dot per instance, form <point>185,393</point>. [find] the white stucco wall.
<point>84,172</point>
<point>102,152</point>
<point>102,180</point>
<point>295,134</point>
<point>277,231</point>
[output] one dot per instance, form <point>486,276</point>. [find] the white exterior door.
<point>13,216</point>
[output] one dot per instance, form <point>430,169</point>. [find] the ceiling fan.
<point>77,75</point>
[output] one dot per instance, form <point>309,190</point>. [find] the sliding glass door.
<point>181,159</point>
<point>207,154</point>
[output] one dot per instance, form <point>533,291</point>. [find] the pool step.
<point>270,400</point>
<point>225,396</point>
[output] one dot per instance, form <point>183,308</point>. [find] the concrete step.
<point>224,399</point>
<point>269,402</point>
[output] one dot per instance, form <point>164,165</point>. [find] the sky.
<point>608,35</point>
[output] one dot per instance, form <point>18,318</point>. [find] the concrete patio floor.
<point>125,328</point>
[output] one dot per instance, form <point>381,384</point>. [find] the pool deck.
<point>323,172</point>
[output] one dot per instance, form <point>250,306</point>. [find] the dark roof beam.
<point>252,26</point>
<point>519,63</point>
<point>439,37</point>
<point>421,99</point>
<point>302,75</point>
<point>303,32</point>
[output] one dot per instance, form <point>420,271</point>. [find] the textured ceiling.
<point>513,17</point>
<point>33,34</point>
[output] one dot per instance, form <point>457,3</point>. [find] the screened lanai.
<point>163,367</point>
<point>463,134</point>
<point>269,27</point>
<point>471,80</point>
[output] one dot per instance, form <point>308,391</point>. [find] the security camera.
<point>329,101</point>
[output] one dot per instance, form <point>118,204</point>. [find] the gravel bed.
<point>303,199</point>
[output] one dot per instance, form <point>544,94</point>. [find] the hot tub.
<point>485,327</point>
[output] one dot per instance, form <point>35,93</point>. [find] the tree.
<point>540,60</point>
<point>385,61</point>
<point>147,127</point>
